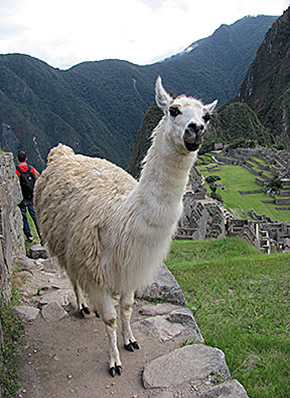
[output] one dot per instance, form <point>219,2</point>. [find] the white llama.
<point>111,233</point>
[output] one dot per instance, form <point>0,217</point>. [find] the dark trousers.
<point>28,204</point>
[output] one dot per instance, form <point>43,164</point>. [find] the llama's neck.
<point>166,167</point>
<point>163,181</point>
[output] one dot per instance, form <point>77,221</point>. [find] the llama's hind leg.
<point>126,302</point>
<point>81,304</point>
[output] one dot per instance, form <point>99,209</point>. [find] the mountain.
<point>98,107</point>
<point>258,113</point>
<point>266,87</point>
<point>215,67</point>
<point>143,140</point>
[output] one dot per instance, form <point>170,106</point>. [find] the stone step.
<point>193,369</point>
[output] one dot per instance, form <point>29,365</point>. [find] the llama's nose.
<point>193,131</point>
<point>196,128</point>
<point>192,136</point>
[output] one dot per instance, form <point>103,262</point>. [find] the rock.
<point>168,326</point>
<point>62,297</point>
<point>53,312</point>
<point>46,288</point>
<point>26,313</point>
<point>185,317</point>
<point>229,389</point>
<point>187,364</point>
<point>159,327</point>
<point>164,288</point>
<point>48,265</point>
<point>26,264</point>
<point>38,251</point>
<point>158,309</point>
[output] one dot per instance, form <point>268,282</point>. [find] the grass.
<point>12,330</point>
<point>239,299</point>
<point>33,232</point>
<point>236,178</point>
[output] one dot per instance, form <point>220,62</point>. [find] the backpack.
<point>27,181</point>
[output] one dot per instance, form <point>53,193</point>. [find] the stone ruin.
<point>205,218</point>
<point>201,219</point>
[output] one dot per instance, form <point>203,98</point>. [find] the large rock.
<point>53,312</point>
<point>164,288</point>
<point>26,313</point>
<point>190,363</point>
<point>168,324</point>
<point>38,251</point>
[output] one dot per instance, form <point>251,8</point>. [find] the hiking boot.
<point>30,239</point>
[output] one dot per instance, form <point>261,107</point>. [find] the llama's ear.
<point>208,109</point>
<point>163,99</point>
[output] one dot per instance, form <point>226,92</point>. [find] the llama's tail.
<point>58,151</point>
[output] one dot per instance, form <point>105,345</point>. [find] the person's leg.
<point>32,213</point>
<point>26,228</point>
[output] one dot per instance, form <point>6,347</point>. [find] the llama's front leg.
<point>126,302</point>
<point>108,314</point>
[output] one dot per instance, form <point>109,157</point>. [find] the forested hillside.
<point>266,88</point>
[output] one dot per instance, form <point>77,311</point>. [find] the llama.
<point>108,231</point>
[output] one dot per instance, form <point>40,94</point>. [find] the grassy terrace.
<point>236,178</point>
<point>239,299</point>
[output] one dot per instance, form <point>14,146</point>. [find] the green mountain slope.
<point>237,124</point>
<point>266,87</point>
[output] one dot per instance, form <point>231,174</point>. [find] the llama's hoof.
<point>82,313</point>
<point>135,345</point>
<point>97,314</point>
<point>115,369</point>
<point>85,309</point>
<point>131,346</point>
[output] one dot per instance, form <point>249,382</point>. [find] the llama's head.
<point>186,118</point>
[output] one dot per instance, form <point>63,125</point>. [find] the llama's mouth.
<point>193,146</point>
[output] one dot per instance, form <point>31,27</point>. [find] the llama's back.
<point>74,196</point>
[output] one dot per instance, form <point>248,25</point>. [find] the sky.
<point>64,33</point>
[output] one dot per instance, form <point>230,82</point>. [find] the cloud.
<point>67,32</point>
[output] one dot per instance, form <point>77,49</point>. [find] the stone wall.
<point>11,235</point>
<point>201,219</point>
<point>244,229</point>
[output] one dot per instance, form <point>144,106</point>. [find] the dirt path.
<point>65,356</point>
<point>68,357</point>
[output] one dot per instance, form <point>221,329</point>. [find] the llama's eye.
<point>206,117</point>
<point>174,111</point>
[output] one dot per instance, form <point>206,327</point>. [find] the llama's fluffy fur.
<point>109,232</point>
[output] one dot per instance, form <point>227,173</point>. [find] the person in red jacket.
<point>27,177</point>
